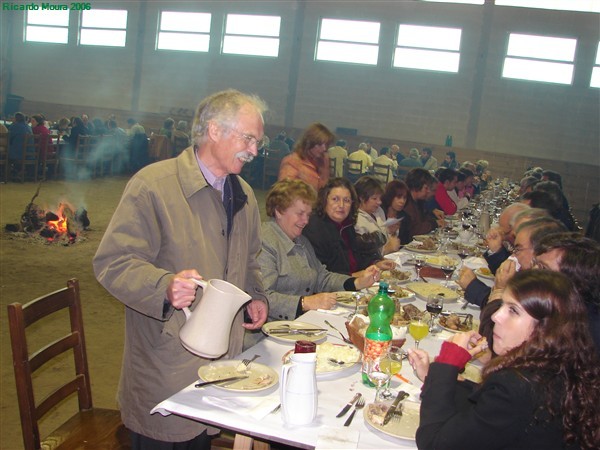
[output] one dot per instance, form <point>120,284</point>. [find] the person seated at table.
<point>362,155</point>
<point>17,131</point>
<point>167,128</point>
<point>295,281</point>
<point>450,161</point>
<point>374,240</point>
<point>38,126</point>
<point>461,202</point>
<point>331,232</point>
<point>578,257</point>
<point>385,159</point>
<point>527,184</point>
<point>468,190</point>
<point>309,162</point>
<point>98,127</point>
<point>562,211</point>
<point>78,129</point>
<point>393,201</point>
<point>422,221</point>
<point>409,163</point>
<point>447,179</point>
<point>540,392</point>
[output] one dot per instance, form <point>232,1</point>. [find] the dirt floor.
<point>30,268</point>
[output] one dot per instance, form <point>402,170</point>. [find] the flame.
<point>60,225</point>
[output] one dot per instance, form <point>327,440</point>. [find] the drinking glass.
<point>418,329</point>
<point>448,270</point>
<point>377,376</point>
<point>435,305</point>
<point>391,364</point>
<point>419,263</point>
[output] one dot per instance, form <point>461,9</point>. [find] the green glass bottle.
<point>379,334</point>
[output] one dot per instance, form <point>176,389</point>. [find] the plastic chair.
<point>88,428</point>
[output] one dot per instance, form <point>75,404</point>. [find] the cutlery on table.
<point>423,278</point>
<point>307,331</point>
<point>247,362</point>
<point>394,408</point>
<point>345,339</point>
<point>360,404</point>
<point>348,405</point>
<point>222,380</point>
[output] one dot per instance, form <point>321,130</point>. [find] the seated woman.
<point>294,279</point>
<point>331,232</point>
<point>309,162</point>
<point>373,239</point>
<point>392,204</point>
<point>541,391</point>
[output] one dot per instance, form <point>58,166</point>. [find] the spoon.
<point>348,341</point>
<point>335,361</point>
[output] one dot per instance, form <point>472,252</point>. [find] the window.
<point>596,70</point>
<point>428,48</point>
<point>106,27</point>
<point>564,5</point>
<point>252,35</point>
<point>47,26</point>
<point>539,58</point>
<point>350,41</point>
<point>184,31</point>
<point>466,2</point>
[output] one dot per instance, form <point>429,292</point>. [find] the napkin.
<point>256,407</point>
<point>335,311</point>
<point>474,262</point>
<point>335,438</point>
<point>413,391</point>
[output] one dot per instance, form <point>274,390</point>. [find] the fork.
<point>345,339</point>
<point>360,404</point>
<point>247,362</point>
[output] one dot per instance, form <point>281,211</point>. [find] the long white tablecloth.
<point>334,392</point>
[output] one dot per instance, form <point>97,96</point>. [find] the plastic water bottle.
<point>379,334</point>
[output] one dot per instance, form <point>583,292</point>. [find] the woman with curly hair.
<point>309,162</point>
<point>540,392</point>
<point>331,232</point>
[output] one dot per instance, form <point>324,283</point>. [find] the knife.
<point>222,380</point>
<point>346,408</point>
<point>390,412</point>
<point>297,331</point>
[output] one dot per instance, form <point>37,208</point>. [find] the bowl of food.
<point>357,328</point>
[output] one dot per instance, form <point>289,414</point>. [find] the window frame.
<point>330,44</point>
<point>97,30</point>
<point>45,26</point>
<point>230,38</point>
<point>183,33</point>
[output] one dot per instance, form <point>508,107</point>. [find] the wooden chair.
<point>180,143</point>
<point>26,167</point>
<point>49,160</point>
<point>382,172</point>
<point>161,148</point>
<point>90,428</point>
<point>78,163</point>
<point>271,164</point>
<point>4,164</point>
<point>332,167</point>
<point>353,170</point>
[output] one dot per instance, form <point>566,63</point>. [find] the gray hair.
<point>222,108</point>
<point>363,146</point>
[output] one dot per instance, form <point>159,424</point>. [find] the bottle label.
<point>373,350</point>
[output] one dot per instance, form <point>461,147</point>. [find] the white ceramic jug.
<point>206,330</point>
<point>298,389</point>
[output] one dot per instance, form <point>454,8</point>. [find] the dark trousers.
<point>139,442</point>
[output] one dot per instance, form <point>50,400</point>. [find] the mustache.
<point>245,156</point>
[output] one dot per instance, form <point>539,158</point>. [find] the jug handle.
<point>284,375</point>
<point>200,283</point>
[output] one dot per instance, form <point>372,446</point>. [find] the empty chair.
<point>332,167</point>
<point>354,170</point>
<point>382,172</point>
<point>78,163</point>
<point>90,427</point>
<point>49,161</point>
<point>26,166</point>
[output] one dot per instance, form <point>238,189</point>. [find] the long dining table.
<point>334,391</point>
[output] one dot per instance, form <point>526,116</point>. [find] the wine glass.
<point>419,264</point>
<point>448,270</point>
<point>435,305</point>
<point>418,329</point>
<point>377,376</point>
<point>391,364</point>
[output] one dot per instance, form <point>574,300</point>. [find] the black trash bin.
<point>12,105</point>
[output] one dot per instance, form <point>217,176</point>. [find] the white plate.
<point>295,325</point>
<point>484,275</point>
<point>260,377</point>
<point>424,290</point>
<point>326,369</point>
<point>418,249</point>
<point>437,261</point>
<point>475,327</point>
<point>422,237</point>
<point>405,428</point>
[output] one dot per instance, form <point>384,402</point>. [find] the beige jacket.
<point>169,220</point>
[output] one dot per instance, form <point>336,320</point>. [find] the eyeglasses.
<point>248,139</point>
<point>519,249</point>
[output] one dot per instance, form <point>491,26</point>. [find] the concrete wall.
<point>476,106</point>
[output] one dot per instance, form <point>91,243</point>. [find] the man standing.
<point>180,219</point>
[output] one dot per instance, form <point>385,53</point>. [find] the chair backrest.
<point>26,363</point>
<point>161,147</point>
<point>180,143</point>
<point>354,167</point>
<point>332,167</point>
<point>84,146</point>
<point>31,147</point>
<point>382,172</point>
